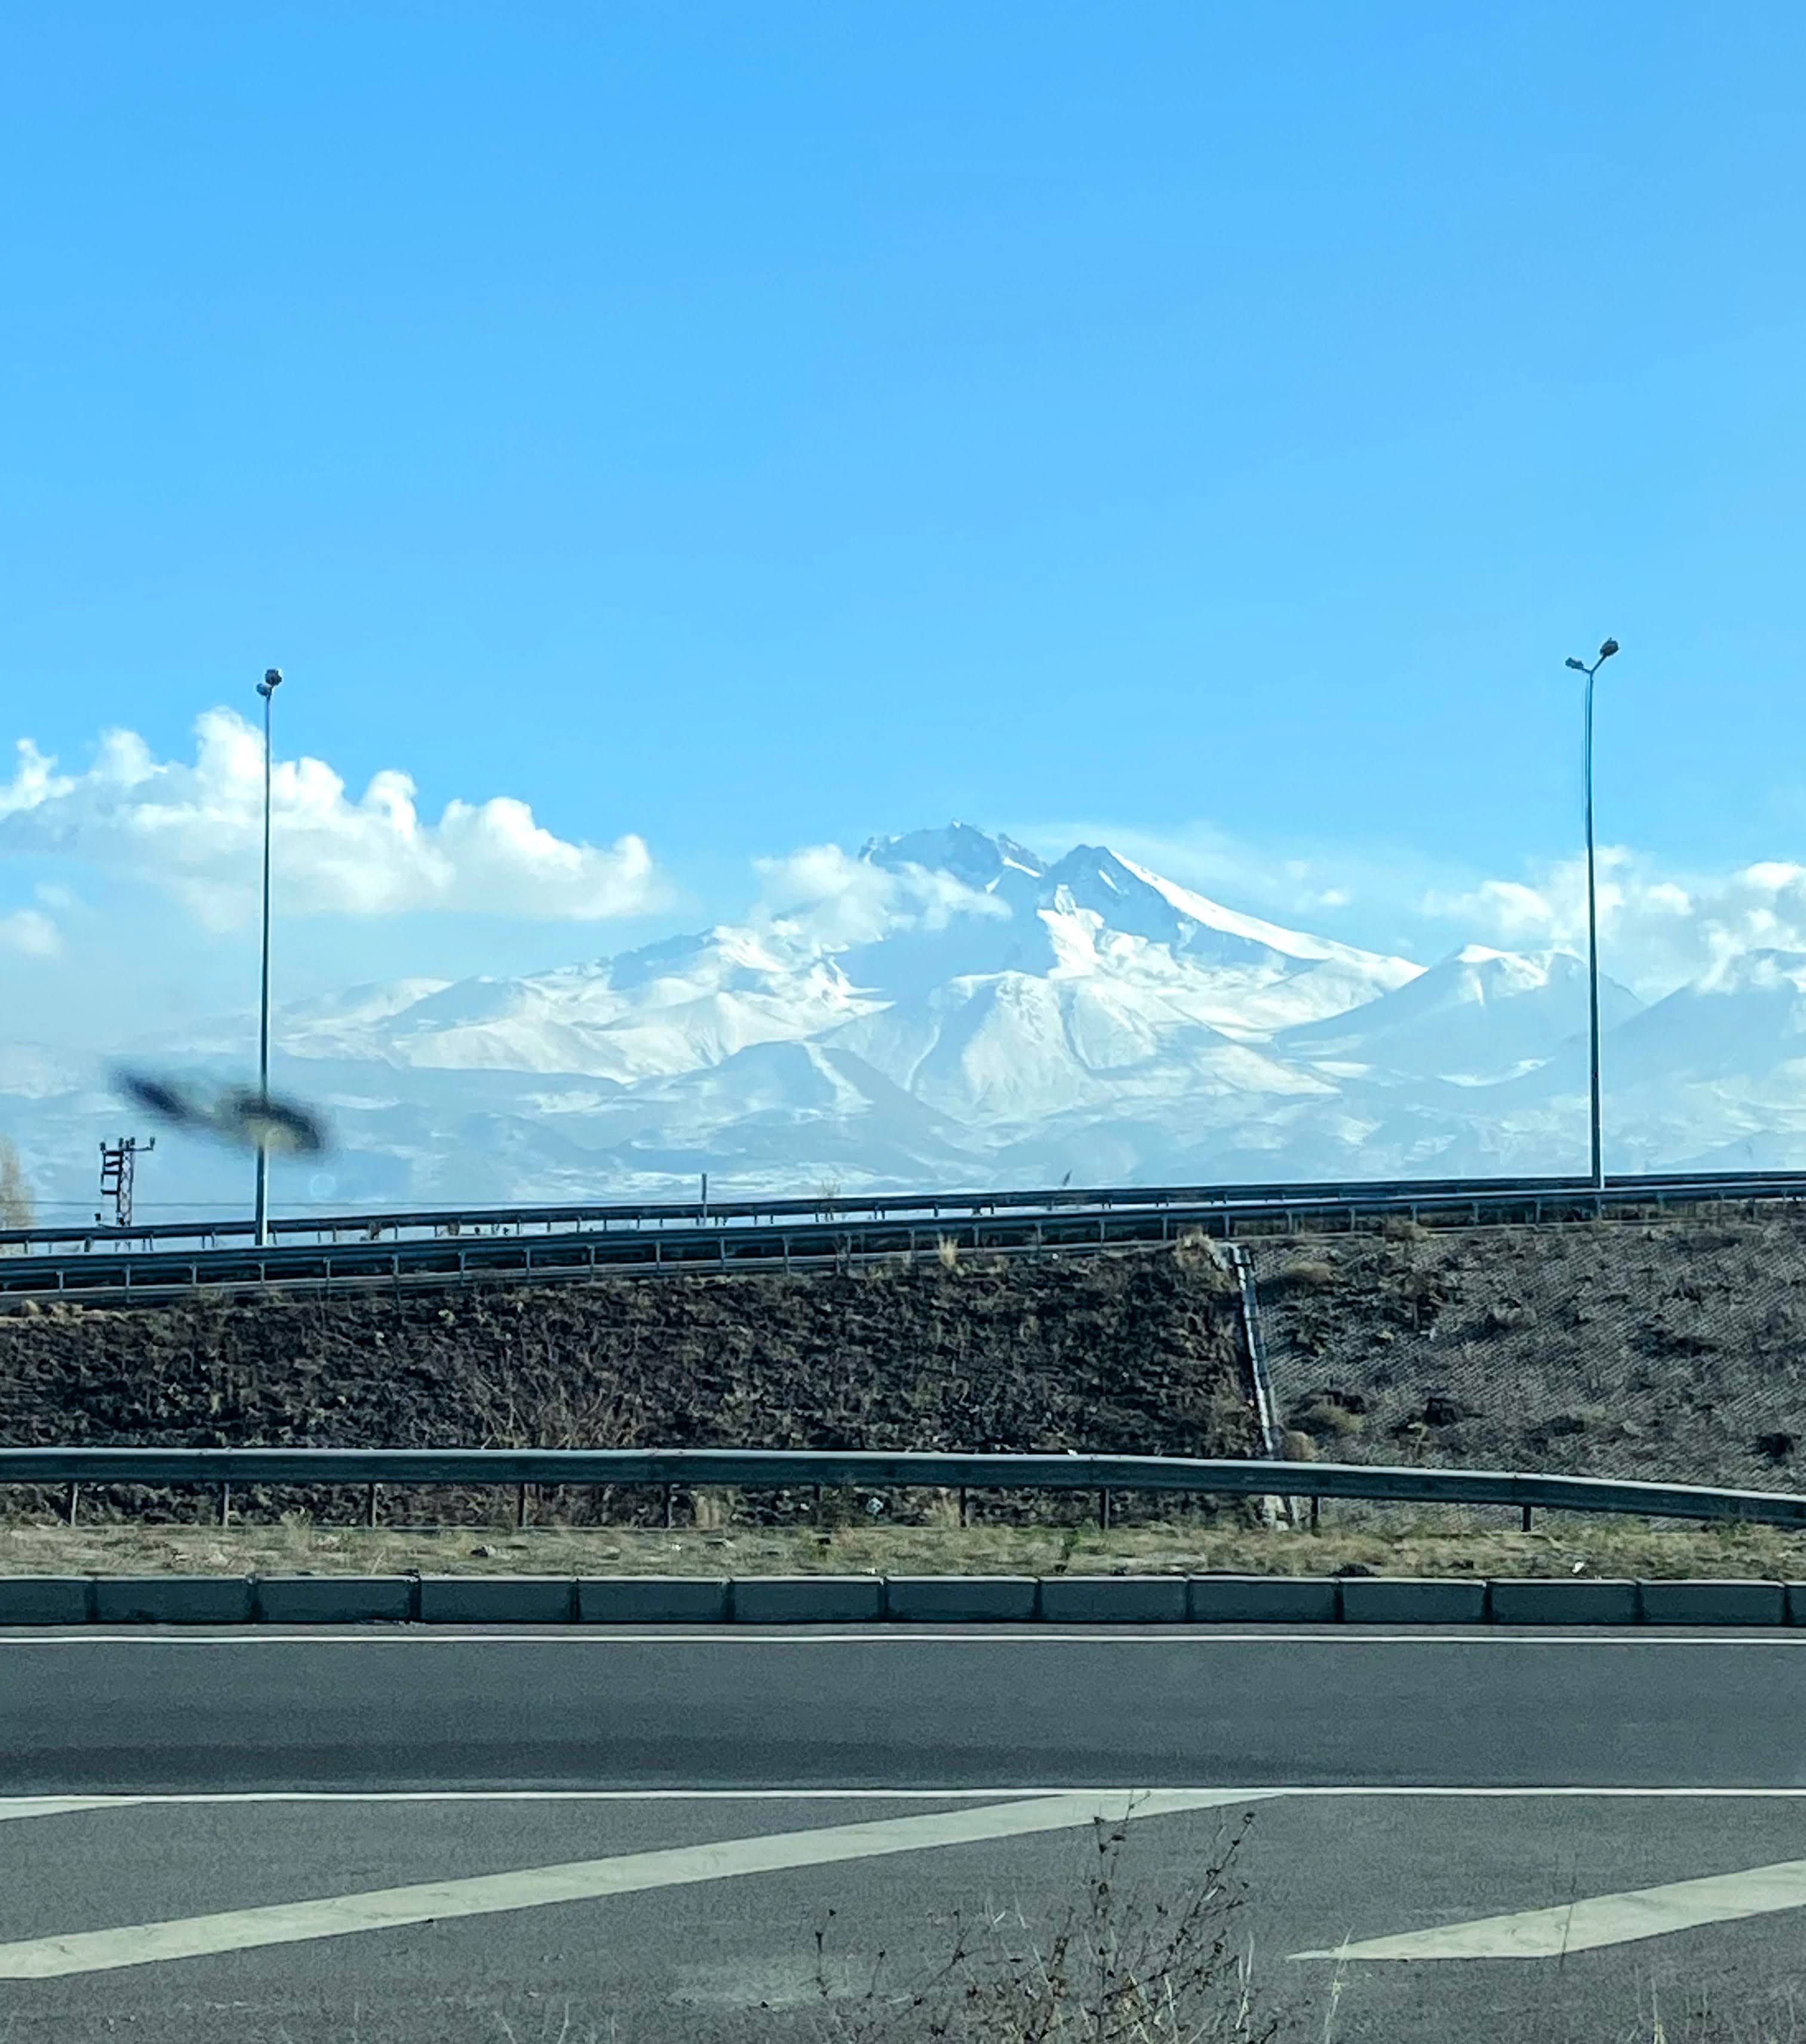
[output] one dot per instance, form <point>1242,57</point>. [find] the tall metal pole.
<point>1593,951</point>
<point>1595,1119</point>
<point>266,689</point>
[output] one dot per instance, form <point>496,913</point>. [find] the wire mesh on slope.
<point>1675,1351</point>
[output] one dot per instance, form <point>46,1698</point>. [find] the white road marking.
<point>884,1632</point>
<point>425,1902</point>
<point>55,1806</point>
<point>1600,1919</point>
<point>52,1806</point>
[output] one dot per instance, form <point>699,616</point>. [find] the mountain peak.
<point>969,853</point>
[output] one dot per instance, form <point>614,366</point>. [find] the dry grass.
<point>1303,1274</point>
<point>1118,1966</point>
<point>1139,1354</point>
<point>1450,1543</point>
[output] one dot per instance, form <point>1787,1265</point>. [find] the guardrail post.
<point>75,1495</point>
<point>1104,1510</point>
<point>520,1506</point>
<point>671,1503</point>
<point>963,1517</point>
<point>225,1502</point>
<point>371,1504</point>
<point>1317,1508</point>
<point>1529,1515</point>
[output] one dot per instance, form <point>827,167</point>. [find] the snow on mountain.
<point>1475,1017</point>
<point>344,1023</point>
<point>1001,1017</point>
<point>1013,1047</point>
<point>689,1001</point>
<point>1747,1020</point>
<point>1094,913</point>
<point>971,856</point>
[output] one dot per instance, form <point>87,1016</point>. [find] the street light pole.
<point>266,689</point>
<point>1580,666</point>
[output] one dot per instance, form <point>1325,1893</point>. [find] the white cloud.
<point>196,829</point>
<point>839,901</point>
<point>1356,893</point>
<point>31,931</point>
<point>1657,930</point>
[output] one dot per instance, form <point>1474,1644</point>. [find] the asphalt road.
<point>895,1709</point>
<point>493,1837</point>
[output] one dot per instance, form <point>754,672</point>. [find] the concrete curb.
<point>1402,1600</point>
<point>960,1599</point>
<point>497,1599</point>
<point>46,1600</point>
<point>808,1599</point>
<point>172,1599</point>
<point>333,1599</point>
<point>1413,1601</point>
<point>1712,1603</point>
<point>1564,1601</point>
<point>1113,1600</point>
<point>1263,1600</point>
<point>652,1601</point>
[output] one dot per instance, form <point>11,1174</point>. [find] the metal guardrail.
<point>1366,1195</point>
<point>112,1275</point>
<point>788,1469</point>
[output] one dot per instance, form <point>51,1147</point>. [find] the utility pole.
<point>116,1161</point>
<point>1581,667</point>
<point>266,689</point>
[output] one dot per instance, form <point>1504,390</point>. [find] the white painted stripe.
<point>37,1806</point>
<point>1601,1920</point>
<point>884,1632</point>
<point>55,1806</point>
<point>578,1880</point>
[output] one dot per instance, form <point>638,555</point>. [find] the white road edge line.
<point>883,1632</point>
<point>1600,1919</point>
<point>62,1806</point>
<point>578,1880</point>
<point>43,1806</point>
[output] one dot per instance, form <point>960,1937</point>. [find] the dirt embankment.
<point>1676,1351</point>
<point>1140,1354</point>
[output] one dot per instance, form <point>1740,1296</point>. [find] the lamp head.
<point>1579,667</point>
<point>1608,649</point>
<point>271,682</point>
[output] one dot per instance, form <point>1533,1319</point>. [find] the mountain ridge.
<point>995,1014</point>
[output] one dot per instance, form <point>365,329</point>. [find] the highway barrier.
<point>39,1601</point>
<point>692,1469</point>
<point>1365,1194</point>
<point>345,1253</point>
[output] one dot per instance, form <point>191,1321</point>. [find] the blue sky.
<point>742,428</point>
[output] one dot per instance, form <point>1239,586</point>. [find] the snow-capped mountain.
<point>1472,1018</point>
<point>669,1008</point>
<point>986,1015</point>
